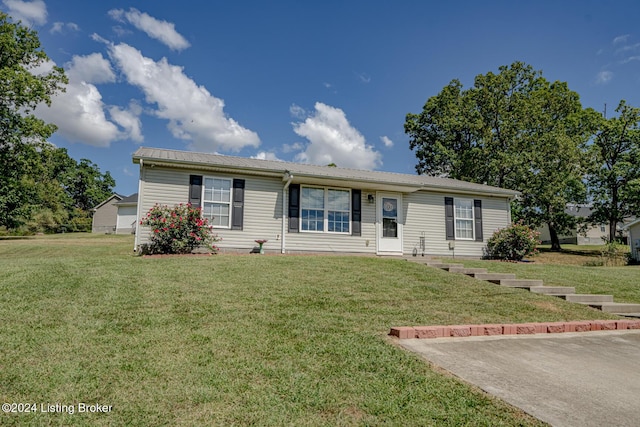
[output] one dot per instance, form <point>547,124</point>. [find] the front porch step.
<point>493,276</point>
<point>519,283</point>
<point>553,290</point>
<point>588,298</point>
<point>616,307</point>
<point>463,270</point>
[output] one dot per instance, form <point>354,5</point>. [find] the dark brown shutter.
<point>294,208</point>
<point>237,211</point>
<point>448,218</point>
<point>477,217</point>
<point>195,190</point>
<point>356,212</point>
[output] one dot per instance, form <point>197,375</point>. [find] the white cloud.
<point>332,139</point>
<point>93,68</point>
<point>604,77</point>
<point>79,112</point>
<point>363,77</point>
<point>386,141</point>
<point>296,146</point>
<point>163,31</point>
<point>129,120</point>
<point>29,12</point>
<point>193,113</point>
<point>297,111</point>
<point>61,27</point>
<point>621,39</point>
<point>79,115</point>
<point>264,155</point>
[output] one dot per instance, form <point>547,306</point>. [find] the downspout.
<point>284,210</point>
<point>139,206</point>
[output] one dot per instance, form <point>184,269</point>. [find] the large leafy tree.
<point>22,135</point>
<point>614,178</point>
<point>513,130</point>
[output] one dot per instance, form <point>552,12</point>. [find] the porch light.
<point>371,198</point>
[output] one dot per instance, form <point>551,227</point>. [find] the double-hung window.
<point>464,218</point>
<point>325,210</point>
<point>216,201</point>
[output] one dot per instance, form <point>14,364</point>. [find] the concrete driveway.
<point>570,379</point>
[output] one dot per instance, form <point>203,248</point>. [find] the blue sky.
<point>304,81</point>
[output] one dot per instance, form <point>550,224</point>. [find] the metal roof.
<point>312,173</point>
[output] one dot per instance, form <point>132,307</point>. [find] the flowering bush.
<point>178,230</point>
<point>513,243</point>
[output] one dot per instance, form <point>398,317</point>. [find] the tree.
<point>614,178</point>
<point>512,130</point>
<point>22,135</point>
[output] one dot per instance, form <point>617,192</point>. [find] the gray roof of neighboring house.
<point>129,200</point>
<point>177,158</point>
<point>580,211</point>
<point>114,195</point>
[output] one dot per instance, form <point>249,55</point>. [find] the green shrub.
<point>513,243</point>
<point>614,254</point>
<point>178,230</point>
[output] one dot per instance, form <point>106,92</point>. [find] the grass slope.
<point>238,340</point>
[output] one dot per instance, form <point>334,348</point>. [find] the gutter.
<point>137,239</point>
<point>289,177</point>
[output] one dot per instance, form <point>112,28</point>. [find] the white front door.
<point>389,223</point>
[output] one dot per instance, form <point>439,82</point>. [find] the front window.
<point>325,210</point>
<point>216,202</point>
<point>312,204</point>
<point>464,218</point>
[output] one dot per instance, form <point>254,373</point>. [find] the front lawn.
<point>239,340</point>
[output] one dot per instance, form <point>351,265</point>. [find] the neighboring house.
<point>127,214</point>
<point>634,238</point>
<point>117,214</point>
<point>592,235</point>
<point>300,207</point>
<point>105,215</point>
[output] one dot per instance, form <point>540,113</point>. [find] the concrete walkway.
<point>570,379</point>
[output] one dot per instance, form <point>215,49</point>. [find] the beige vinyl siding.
<point>338,242</point>
<point>425,216</point>
<point>262,205</point>
<point>105,217</point>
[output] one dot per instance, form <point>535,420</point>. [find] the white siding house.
<point>307,208</point>
<point>634,238</point>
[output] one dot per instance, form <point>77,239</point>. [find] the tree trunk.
<point>555,241</point>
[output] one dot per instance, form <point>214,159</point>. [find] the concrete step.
<point>520,283</point>
<point>616,307</point>
<point>588,298</point>
<point>463,270</point>
<point>444,266</point>
<point>493,276</point>
<point>553,290</point>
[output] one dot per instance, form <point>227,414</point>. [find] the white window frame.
<point>456,202</point>
<point>325,207</point>
<point>229,203</point>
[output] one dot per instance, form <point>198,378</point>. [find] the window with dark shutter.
<point>477,217</point>
<point>294,208</point>
<point>195,190</point>
<point>356,212</point>
<point>237,211</point>
<point>448,218</point>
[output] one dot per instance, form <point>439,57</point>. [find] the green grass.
<point>239,340</point>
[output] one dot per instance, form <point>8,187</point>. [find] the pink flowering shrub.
<point>513,243</point>
<point>177,230</point>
